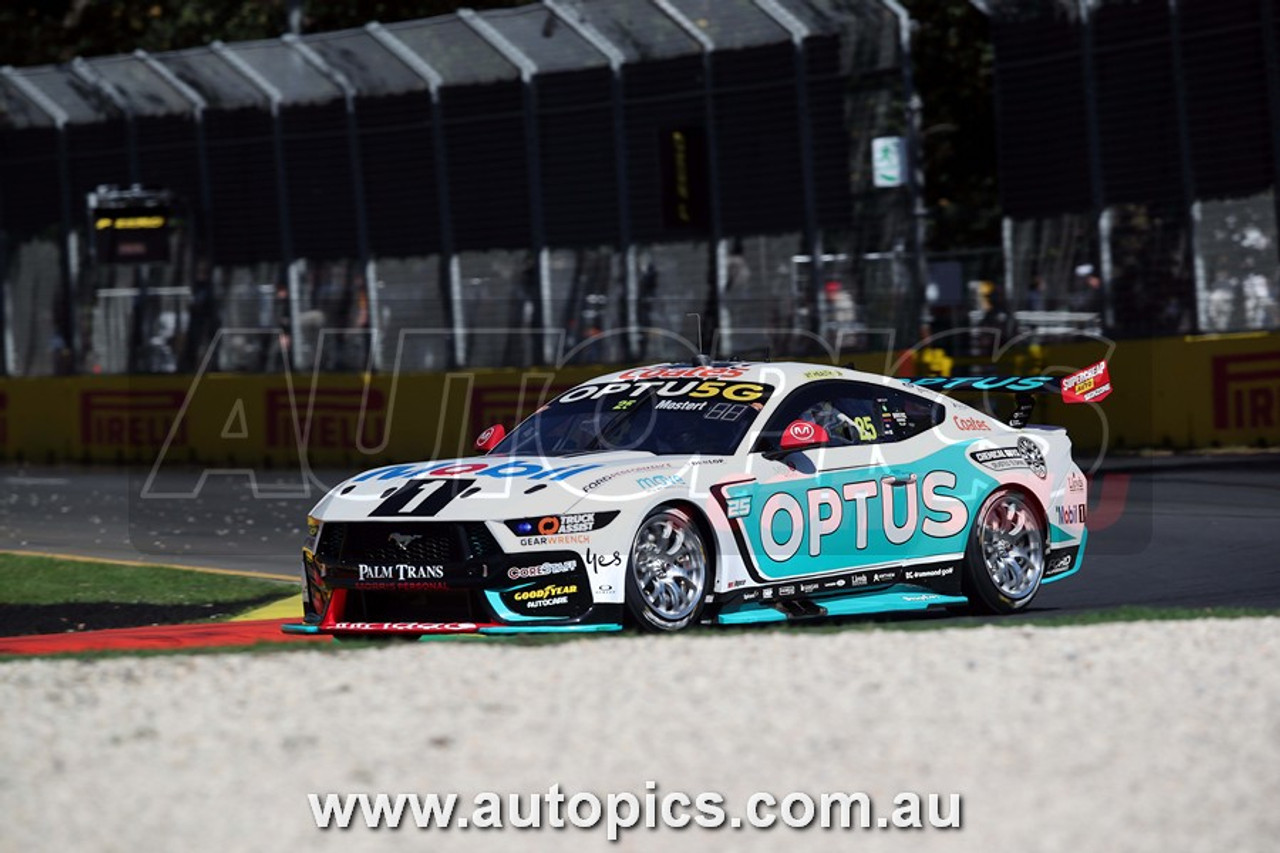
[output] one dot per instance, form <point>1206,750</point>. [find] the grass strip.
<point>48,580</point>
<point>41,594</point>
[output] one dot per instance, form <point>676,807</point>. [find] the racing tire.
<point>1005,558</point>
<point>670,571</point>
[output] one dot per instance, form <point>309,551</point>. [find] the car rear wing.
<point>1091,385</point>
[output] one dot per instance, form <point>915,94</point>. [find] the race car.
<point>711,493</point>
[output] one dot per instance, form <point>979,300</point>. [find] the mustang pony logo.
<point>404,540</point>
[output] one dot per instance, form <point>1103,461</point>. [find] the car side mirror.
<point>800,435</point>
<point>491,438</point>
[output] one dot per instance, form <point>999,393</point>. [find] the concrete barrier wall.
<point>1172,392</point>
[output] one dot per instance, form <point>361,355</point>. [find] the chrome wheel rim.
<point>1012,543</point>
<point>669,564</point>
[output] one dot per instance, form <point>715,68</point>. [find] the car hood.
<point>503,487</point>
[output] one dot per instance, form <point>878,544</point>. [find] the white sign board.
<point>888,165</point>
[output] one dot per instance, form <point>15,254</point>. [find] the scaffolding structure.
<point>565,180</point>
<point>1139,155</point>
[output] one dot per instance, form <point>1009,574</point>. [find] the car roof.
<point>785,376</point>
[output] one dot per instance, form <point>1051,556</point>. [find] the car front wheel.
<point>670,571</point>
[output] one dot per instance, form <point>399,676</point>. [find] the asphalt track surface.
<point>1175,532</point>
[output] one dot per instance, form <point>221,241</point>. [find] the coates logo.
<point>1246,391</point>
<point>970,424</point>
<point>668,371</point>
<point>1075,482</point>
<point>802,431</point>
<point>131,419</point>
<point>335,419</point>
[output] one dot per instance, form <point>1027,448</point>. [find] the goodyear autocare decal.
<point>553,596</point>
<point>844,519</point>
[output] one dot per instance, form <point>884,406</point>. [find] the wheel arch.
<point>1037,503</point>
<point>701,525</point>
<point>1033,501</point>
<point>700,518</point>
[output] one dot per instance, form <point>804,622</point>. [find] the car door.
<point>861,501</point>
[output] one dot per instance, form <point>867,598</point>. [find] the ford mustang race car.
<point>728,493</point>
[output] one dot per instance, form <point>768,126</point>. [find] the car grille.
<point>426,543</point>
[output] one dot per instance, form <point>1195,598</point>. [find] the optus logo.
<point>850,513</point>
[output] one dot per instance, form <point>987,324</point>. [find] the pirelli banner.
<point>231,419</point>
<point>1175,392</point>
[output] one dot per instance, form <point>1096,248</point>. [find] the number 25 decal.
<point>866,427</point>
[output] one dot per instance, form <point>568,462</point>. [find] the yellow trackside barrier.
<point>1185,392</point>
<point>228,420</point>
<point>1190,392</point>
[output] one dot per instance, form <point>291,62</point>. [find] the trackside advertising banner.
<point>1173,392</point>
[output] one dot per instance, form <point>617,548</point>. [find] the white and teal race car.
<point>710,493</point>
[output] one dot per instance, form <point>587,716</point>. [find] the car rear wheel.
<point>1005,559</point>
<point>670,571</point>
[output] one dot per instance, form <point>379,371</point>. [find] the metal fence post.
<point>450,269</point>
<point>83,70</point>
<point>275,99</point>
<point>1186,167</point>
<point>910,322</point>
<point>813,235</point>
<point>367,267</point>
<point>141,274</point>
<point>533,157</point>
<point>6,330</point>
<point>720,249</point>
<point>1272,54</point>
<point>617,59</point>
<point>198,107</point>
<point>1008,247</point>
<point>1097,191</point>
<point>67,262</point>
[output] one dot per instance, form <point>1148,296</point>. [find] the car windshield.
<point>678,416</point>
